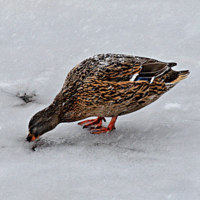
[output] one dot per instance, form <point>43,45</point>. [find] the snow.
<point>172,106</point>
<point>153,154</point>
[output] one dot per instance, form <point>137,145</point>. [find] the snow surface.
<point>153,154</point>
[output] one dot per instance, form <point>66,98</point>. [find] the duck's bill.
<point>31,138</point>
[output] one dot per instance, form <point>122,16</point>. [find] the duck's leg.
<point>92,122</point>
<point>102,129</point>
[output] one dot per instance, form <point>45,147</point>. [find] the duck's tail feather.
<point>175,77</point>
<point>172,64</point>
<point>181,75</point>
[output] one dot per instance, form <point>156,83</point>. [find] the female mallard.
<point>106,85</point>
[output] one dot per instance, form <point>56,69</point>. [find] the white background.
<point>153,154</point>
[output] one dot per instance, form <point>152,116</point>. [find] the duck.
<point>106,85</point>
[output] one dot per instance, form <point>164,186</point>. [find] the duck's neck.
<point>51,116</point>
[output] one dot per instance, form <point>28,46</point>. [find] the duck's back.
<point>115,68</point>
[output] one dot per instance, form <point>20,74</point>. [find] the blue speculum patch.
<point>143,79</point>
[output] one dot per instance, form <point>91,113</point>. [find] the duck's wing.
<point>119,67</point>
<point>116,68</point>
<point>154,68</point>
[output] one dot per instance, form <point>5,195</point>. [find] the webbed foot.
<point>92,122</point>
<point>102,129</point>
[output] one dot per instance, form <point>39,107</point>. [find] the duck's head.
<point>40,123</point>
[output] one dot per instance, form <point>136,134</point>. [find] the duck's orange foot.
<point>92,122</point>
<point>98,130</point>
<point>101,129</point>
